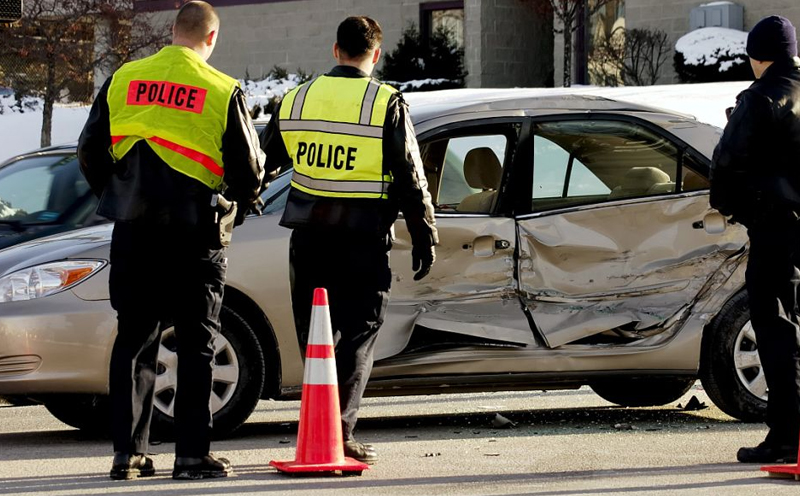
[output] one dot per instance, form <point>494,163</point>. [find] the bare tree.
<point>633,57</point>
<point>567,12</point>
<point>53,51</point>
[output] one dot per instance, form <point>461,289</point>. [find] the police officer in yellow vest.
<point>356,163</point>
<point>166,137</point>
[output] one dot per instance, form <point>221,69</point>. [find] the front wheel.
<point>730,368</point>
<point>634,391</point>
<point>237,379</point>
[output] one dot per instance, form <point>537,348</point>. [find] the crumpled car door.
<point>621,238</point>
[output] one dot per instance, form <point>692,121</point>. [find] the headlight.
<point>46,279</point>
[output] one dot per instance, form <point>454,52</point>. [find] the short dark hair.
<point>195,20</point>
<point>357,35</point>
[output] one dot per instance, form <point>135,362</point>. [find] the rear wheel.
<point>730,368</point>
<point>654,391</point>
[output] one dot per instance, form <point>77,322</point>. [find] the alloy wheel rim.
<point>224,376</point>
<point>748,364</point>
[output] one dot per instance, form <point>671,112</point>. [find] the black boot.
<point>768,453</point>
<point>207,467</point>
<point>364,453</point>
<point>126,466</point>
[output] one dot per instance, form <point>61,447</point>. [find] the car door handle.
<point>713,223</point>
<point>486,246</point>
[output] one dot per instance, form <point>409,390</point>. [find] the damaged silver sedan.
<point>577,247</point>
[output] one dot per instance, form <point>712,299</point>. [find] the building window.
<point>442,15</point>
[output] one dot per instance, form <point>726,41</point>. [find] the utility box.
<point>717,15</point>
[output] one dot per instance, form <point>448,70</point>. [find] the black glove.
<point>422,259</point>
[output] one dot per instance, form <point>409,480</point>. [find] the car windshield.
<point>40,189</point>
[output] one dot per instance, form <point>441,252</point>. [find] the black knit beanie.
<point>773,38</point>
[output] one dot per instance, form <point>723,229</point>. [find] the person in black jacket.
<point>165,137</point>
<point>755,178</point>
<point>356,164</point>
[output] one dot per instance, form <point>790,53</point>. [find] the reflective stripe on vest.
<point>178,104</point>
<point>333,131</point>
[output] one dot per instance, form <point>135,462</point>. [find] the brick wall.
<point>298,34</point>
<point>515,45</point>
<point>505,44</point>
<point>673,17</point>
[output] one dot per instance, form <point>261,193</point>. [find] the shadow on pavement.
<point>71,443</point>
<point>263,479</point>
<point>549,422</point>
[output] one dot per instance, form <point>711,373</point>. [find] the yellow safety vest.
<point>177,103</point>
<point>333,130</point>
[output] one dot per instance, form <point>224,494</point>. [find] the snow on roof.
<point>705,46</point>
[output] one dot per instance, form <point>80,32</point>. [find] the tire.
<point>634,391</point>
<point>238,378</point>
<point>739,391</point>
<point>90,413</point>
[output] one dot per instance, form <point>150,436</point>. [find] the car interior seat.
<point>483,171</point>
<point>643,181</point>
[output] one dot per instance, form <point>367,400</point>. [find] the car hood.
<point>82,243</point>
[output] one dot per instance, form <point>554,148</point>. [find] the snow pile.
<point>261,92</point>
<point>416,84</point>
<point>707,46</point>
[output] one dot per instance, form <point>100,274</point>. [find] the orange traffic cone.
<point>319,436</point>
<point>785,471</point>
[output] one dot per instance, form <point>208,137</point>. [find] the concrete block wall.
<point>673,17</point>
<point>298,34</point>
<point>515,46</point>
<point>505,43</point>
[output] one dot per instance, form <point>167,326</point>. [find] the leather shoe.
<point>207,467</point>
<point>768,453</point>
<point>126,466</point>
<point>364,453</point>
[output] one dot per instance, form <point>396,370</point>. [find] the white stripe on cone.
<point>320,372</point>
<point>321,332</point>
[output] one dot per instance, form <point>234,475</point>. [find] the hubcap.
<point>748,364</point>
<point>224,376</point>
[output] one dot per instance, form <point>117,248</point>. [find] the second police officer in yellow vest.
<point>355,163</point>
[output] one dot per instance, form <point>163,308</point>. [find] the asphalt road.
<point>560,443</point>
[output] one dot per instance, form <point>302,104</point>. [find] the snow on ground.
<point>705,46</point>
<point>20,132</point>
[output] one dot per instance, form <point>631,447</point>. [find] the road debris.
<point>502,422</point>
<point>693,404</point>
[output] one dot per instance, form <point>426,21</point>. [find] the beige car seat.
<point>483,171</point>
<point>643,181</point>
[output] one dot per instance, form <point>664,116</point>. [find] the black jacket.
<point>142,187</point>
<point>407,193</point>
<point>756,165</point>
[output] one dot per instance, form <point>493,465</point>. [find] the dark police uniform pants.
<point>162,275</point>
<point>772,279</point>
<point>354,268</point>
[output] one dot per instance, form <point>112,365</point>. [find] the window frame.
<point>514,145</point>
<point>426,10</point>
<point>524,172</point>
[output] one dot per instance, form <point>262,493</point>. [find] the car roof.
<point>530,102</point>
<point>440,104</point>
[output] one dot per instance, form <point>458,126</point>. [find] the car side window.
<point>464,172</point>
<point>584,162</point>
